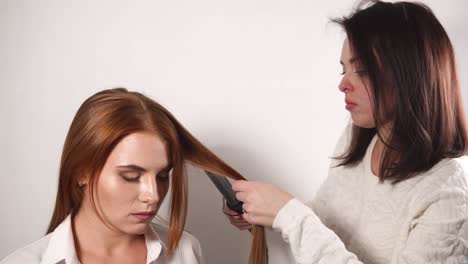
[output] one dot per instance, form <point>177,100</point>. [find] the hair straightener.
<point>224,187</point>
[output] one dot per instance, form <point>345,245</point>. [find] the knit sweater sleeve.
<point>310,241</point>
<point>439,229</point>
<point>438,232</point>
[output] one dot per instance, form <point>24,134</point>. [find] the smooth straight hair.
<point>101,122</point>
<point>410,63</point>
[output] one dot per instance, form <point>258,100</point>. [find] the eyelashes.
<point>130,176</point>
<point>164,175</point>
<point>163,178</point>
<point>358,72</point>
<point>135,177</point>
<point>361,72</point>
<point>129,179</point>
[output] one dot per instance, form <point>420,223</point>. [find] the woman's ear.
<point>83,181</point>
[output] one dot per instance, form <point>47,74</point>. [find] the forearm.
<point>310,240</point>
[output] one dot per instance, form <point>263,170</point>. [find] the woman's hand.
<point>236,219</point>
<point>261,201</point>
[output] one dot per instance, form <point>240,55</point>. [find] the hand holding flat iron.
<point>262,202</point>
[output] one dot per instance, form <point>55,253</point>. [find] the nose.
<point>149,190</point>
<point>345,85</point>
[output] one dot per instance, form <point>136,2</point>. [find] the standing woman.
<point>397,189</point>
<point>122,152</point>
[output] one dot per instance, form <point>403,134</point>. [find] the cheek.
<point>365,98</point>
<point>366,112</point>
<point>364,117</point>
<point>113,193</point>
<point>368,106</point>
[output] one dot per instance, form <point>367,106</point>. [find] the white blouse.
<point>355,219</point>
<point>59,247</point>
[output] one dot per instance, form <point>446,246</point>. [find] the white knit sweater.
<point>356,219</point>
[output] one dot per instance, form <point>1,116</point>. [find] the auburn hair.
<point>106,118</point>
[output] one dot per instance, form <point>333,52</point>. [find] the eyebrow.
<point>133,167</point>
<point>141,169</point>
<point>351,61</point>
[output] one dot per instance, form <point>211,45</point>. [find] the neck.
<point>378,149</point>
<point>92,235</point>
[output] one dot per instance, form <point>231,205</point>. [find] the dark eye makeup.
<point>131,175</point>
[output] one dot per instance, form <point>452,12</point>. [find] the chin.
<point>136,229</point>
<point>363,123</point>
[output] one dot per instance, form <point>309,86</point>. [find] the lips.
<point>143,216</point>
<point>350,104</point>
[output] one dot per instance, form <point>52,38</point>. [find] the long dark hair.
<point>106,118</point>
<point>410,63</point>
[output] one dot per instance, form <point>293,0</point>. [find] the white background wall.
<point>255,80</point>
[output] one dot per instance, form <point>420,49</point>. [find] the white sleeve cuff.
<point>290,213</point>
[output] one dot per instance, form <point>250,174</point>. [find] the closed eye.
<point>164,175</point>
<point>130,176</point>
<point>360,72</point>
<point>130,172</point>
<point>163,178</point>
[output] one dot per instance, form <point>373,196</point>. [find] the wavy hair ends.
<point>106,118</point>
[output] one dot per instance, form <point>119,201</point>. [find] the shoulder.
<point>447,175</point>
<point>442,191</point>
<point>31,253</point>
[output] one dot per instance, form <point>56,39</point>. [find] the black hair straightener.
<point>224,187</point>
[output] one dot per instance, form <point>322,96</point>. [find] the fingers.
<point>238,219</point>
<point>228,211</point>
<point>245,188</point>
<point>239,222</point>
<point>242,189</point>
<point>241,196</point>
<point>247,217</point>
<point>241,185</point>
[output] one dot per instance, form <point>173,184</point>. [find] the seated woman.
<point>122,152</point>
